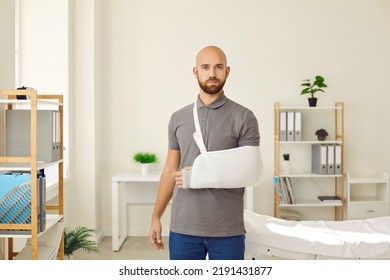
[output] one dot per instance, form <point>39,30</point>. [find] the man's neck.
<point>207,99</point>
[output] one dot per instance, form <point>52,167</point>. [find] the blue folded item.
<point>15,198</point>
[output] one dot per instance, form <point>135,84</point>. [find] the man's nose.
<point>212,73</point>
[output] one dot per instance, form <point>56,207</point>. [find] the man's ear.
<point>195,72</point>
<point>227,71</point>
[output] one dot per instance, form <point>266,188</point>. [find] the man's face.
<point>211,71</point>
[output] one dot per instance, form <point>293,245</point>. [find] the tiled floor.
<point>134,248</point>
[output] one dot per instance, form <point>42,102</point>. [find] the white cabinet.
<point>307,184</point>
<point>367,197</point>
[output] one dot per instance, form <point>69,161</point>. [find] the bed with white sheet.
<point>269,237</point>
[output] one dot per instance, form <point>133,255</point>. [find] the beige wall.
<point>7,48</point>
<point>148,50</point>
<point>131,64</point>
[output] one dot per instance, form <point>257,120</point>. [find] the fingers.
<point>179,179</point>
<point>155,235</point>
<point>156,241</point>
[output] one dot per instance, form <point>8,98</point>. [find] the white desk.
<point>143,190</point>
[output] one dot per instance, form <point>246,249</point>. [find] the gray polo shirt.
<point>225,124</point>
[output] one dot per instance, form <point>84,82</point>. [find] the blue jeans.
<point>188,247</point>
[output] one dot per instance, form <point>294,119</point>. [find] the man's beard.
<point>211,89</point>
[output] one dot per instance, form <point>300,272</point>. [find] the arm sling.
<point>232,168</point>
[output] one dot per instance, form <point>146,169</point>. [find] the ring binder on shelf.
<point>297,126</point>
<point>337,159</point>
<point>18,134</point>
<point>283,126</point>
<point>290,126</point>
<point>330,159</point>
<point>319,159</point>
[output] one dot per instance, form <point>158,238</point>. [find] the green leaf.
<point>145,157</point>
<point>79,238</point>
<point>305,91</point>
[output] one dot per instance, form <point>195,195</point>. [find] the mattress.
<point>353,239</point>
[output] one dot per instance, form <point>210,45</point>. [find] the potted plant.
<point>321,134</point>
<point>79,238</point>
<point>145,159</point>
<point>312,87</point>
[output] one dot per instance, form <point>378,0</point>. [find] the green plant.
<point>313,87</point>
<point>79,238</point>
<point>145,157</point>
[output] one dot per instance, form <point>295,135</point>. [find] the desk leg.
<point>118,210</point>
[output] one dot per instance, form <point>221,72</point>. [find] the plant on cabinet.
<point>312,87</point>
<point>145,159</point>
<point>321,134</point>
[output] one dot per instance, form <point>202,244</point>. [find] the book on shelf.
<point>290,215</point>
<point>279,189</point>
<point>330,199</point>
<point>289,189</point>
<point>283,186</point>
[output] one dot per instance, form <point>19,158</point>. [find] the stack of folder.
<point>18,131</point>
<point>326,159</point>
<point>290,126</point>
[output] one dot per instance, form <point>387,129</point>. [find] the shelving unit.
<point>367,196</point>
<point>307,186</point>
<point>37,244</point>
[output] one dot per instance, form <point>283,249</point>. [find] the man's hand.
<point>179,177</point>
<point>155,234</point>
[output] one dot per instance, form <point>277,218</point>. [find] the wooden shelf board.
<point>51,220</point>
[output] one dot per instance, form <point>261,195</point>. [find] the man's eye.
<point>219,67</point>
<point>205,67</point>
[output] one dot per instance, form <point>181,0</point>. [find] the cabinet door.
<point>367,210</point>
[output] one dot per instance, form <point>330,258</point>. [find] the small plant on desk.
<point>145,158</point>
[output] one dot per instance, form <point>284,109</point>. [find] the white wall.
<point>148,50</point>
<point>7,69</point>
<point>42,58</point>
<point>7,47</point>
<point>131,64</point>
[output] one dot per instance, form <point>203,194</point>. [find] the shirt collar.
<point>219,102</point>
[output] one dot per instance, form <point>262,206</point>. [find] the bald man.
<point>204,222</point>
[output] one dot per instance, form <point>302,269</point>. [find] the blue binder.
<point>15,199</point>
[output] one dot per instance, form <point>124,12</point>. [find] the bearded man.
<point>205,223</point>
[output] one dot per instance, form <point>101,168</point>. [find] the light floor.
<point>134,248</point>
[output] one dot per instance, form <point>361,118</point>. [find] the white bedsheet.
<point>363,239</point>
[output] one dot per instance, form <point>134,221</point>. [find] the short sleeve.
<point>173,144</point>
<point>249,133</point>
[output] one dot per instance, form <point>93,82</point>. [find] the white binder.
<point>330,159</point>
<point>283,126</point>
<point>337,159</point>
<point>319,155</point>
<point>290,126</point>
<point>297,126</point>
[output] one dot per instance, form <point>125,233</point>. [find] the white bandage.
<point>186,178</point>
<point>231,168</point>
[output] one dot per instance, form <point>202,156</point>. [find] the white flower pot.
<point>145,168</point>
